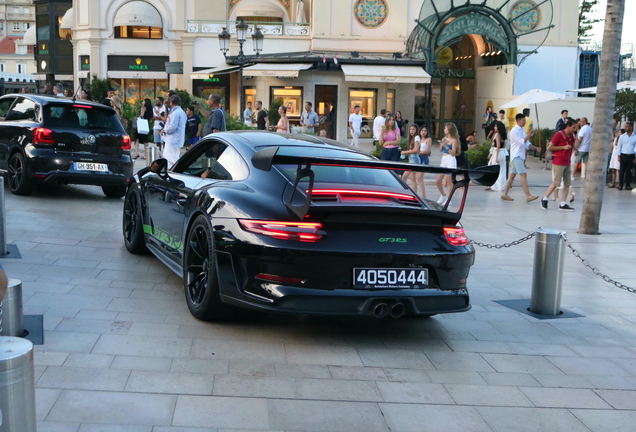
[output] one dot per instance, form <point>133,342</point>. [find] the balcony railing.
<point>20,16</point>
<point>273,29</point>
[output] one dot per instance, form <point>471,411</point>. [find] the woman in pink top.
<point>390,141</point>
<point>283,123</point>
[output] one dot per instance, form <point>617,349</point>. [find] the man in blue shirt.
<point>626,144</point>
<point>216,118</point>
<point>309,119</point>
<point>560,122</point>
<point>193,127</point>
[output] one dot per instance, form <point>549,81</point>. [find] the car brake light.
<point>456,236</point>
<point>301,231</point>
<point>279,279</point>
<point>381,194</point>
<point>43,136</point>
<point>125,142</point>
<point>82,106</point>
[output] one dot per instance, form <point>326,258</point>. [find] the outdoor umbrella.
<point>535,97</point>
<point>300,12</point>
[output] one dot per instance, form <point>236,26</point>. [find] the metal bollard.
<point>11,316</point>
<point>3,221</point>
<point>17,386</point>
<point>153,154</point>
<point>547,274</point>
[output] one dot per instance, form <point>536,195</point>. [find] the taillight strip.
<point>301,231</point>
<point>456,236</point>
<point>363,192</point>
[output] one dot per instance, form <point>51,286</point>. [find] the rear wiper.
<point>96,127</point>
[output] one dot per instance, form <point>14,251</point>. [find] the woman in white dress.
<point>413,153</point>
<point>498,155</point>
<point>615,165</point>
<point>449,146</point>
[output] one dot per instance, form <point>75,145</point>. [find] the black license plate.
<point>395,278</point>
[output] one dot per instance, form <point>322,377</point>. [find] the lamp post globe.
<point>224,41</point>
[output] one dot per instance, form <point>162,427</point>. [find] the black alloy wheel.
<point>19,181</point>
<point>132,222</point>
<point>200,279</point>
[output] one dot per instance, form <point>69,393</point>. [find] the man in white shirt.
<point>174,131</point>
<point>355,124</point>
<point>519,143</point>
<point>378,123</point>
<point>584,142</point>
<point>626,145</point>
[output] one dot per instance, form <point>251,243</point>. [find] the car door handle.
<point>182,201</point>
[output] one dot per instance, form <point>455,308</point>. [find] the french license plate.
<point>395,278</point>
<point>89,166</point>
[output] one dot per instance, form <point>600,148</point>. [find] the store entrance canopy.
<point>275,70</point>
<point>205,73</point>
<point>138,14</point>
<point>388,74</point>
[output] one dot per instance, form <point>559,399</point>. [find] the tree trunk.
<point>602,124</point>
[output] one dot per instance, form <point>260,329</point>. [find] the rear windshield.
<point>338,174</point>
<point>80,116</point>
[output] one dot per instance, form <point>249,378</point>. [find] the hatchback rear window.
<point>78,116</point>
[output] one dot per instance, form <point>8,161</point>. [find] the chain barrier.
<point>596,271</point>
<point>576,253</point>
<point>505,245</point>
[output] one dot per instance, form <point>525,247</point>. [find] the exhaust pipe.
<point>379,310</point>
<point>397,310</point>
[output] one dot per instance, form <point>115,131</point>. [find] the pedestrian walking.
<point>355,126</point>
<point>309,119</point>
<point>142,138</point>
<point>498,154</point>
<point>378,124</point>
<point>215,118</point>
<point>390,141</point>
<point>583,143</point>
<point>626,144</point>
<point>614,164</point>
<point>425,151</point>
<point>450,147</point>
<point>519,143</point>
<point>503,119</point>
<point>283,122</point>
<point>109,94</point>
<point>489,119</point>
<point>561,122</point>
<point>193,127</point>
<point>174,131</point>
<point>413,153</point>
<point>159,117</point>
<point>562,145</point>
<point>400,123</point>
<point>262,121</point>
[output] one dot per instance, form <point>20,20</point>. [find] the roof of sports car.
<point>257,138</point>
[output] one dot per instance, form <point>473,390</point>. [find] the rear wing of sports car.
<point>461,178</point>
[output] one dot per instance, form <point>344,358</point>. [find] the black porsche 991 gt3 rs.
<point>303,225</point>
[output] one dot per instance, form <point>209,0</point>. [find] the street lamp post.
<point>241,59</point>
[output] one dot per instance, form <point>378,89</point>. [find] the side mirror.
<point>159,166</point>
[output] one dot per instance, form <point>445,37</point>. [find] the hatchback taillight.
<point>301,231</point>
<point>125,142</point>
<point>456,236</point>
<point>43,136</point>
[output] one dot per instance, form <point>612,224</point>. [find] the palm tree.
<point>603,112</point>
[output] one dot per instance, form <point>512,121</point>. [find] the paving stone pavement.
<point>123,354</point>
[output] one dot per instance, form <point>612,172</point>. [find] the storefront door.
<point>325,107</point>
<point>454,99</point>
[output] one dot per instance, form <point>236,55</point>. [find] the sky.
<point>629,29</point>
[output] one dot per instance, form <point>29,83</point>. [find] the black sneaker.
<point>565,207</point>
<point>544,203</point>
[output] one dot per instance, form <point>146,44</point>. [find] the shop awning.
<point>67,20</point>
<point>138,14</point>
<point>275,69</point>
<point>137,75</point>
<point>205,73</point>
<point>387,74</point>
<point>30,36</point>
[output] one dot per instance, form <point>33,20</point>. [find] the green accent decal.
<point>392,240</point>
<point>164,237</point>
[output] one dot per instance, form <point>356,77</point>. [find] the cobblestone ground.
<point>123,354</point>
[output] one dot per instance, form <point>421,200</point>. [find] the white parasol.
<point>535,97</point>
<point>300,12</point>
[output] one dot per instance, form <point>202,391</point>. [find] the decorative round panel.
<point>371,13</point>
<point>527,21</point>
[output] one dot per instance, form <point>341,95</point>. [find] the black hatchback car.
<point>62,140</point>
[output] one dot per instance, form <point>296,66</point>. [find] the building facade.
<point>335,53</point>
<point>16,17</point>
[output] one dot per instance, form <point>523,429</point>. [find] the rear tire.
<point>132,222</point>
<point>114,191</point>
<point>19,181</point>
<point>200,279</point>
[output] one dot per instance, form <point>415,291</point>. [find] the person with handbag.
<point>143,127</point>
<point>489,119</point>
